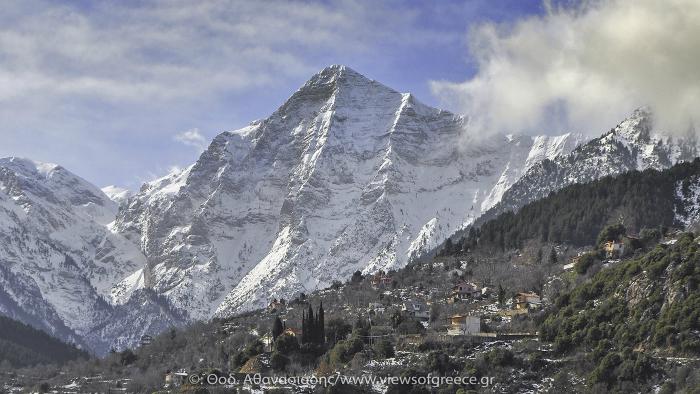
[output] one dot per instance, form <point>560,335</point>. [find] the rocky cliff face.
<point>346,175</point>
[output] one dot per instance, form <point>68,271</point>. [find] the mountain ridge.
<point>59,258</point>
<point>632,145</point>
<point>346,175</point>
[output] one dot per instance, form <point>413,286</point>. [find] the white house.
<point>614,249</point>
<point>464,325</point>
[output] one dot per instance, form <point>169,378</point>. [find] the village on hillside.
<point>440,301</point>
<point>450,313</point>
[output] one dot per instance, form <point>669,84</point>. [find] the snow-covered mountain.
<point>58,259</point>
<point>347,175</point>
<point>633,144</point>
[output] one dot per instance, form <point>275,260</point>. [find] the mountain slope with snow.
<point>347,175</point>
<point>59,260</point>
<point>632,145</point>
<point>117,194</point>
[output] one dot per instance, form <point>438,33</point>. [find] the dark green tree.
<point>254,348</point>
<point>585,262</point>
<point>438,362</point>
<point>278,361</point>
<point>613,232</point>
<point>449,248</point>
<point>311,325</point>
<point>396,319</point>
<point>304,329</point>
<point>277,328</point>
<point>336,330</point>
<point>384,348</point>
<point>127,357</point>
<point>321,327</point>
<point>501,295</point>
<point>356,277</point>
<point>287,344</point>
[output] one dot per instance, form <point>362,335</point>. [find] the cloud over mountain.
<point>584,67</point>
<point>192,137</point>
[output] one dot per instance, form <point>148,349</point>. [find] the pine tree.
<point>553,257</point>
<point>321,325</point>
<point>311,325</point>
<point>356,277</point>
<point>501,294</point>
<point>449,248</point>
<point>304,329</point>
<point>277,328</point>
<point>316,330</point>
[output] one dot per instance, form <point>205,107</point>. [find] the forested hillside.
<point>629,317</point>
<point>576,214</point>
<point>22,345</point>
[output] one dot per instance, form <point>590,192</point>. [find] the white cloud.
<point>174,170</point>
<point>584,68</point>
<point>100,86</point>
<point>164,50</point>
<point>192,137</point>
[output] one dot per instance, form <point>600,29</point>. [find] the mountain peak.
<point>335,86</point>
<point>337,76</point>
<point>337,70</point>
<point>29,167</point>
<point>637,127</point>
<point>330,75</point>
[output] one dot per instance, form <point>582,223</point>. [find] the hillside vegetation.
<point>627,317</point>
<point>22,345</point>
<point>576,214</point>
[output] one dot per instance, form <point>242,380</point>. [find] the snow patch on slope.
<point>688,194</point>
<point>117,194</point>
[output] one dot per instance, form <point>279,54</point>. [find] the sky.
<point>122,92</point>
